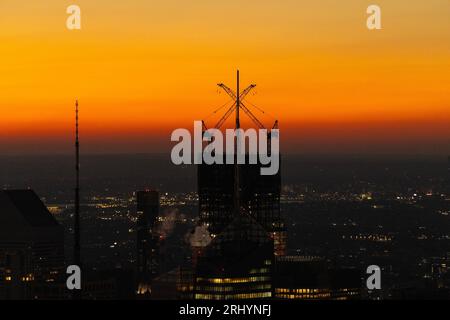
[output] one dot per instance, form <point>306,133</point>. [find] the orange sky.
<point>143,68</point>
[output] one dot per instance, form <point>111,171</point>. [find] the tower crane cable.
<point>219,108</point>
<point>239,100</point>
<point>252,116</point>
<point>260,109</point>
<point>225,116</point>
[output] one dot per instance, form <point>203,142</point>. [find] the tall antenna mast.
<point>76,248</point>
<point>237,97</point>
<point>237,149</point>
<point>238,102</point>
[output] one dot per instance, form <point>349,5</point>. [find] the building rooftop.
<point>28,205</point>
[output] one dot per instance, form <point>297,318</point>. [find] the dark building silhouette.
<point>259,196</point>
<point>148,263</point>
<point>113,284</point>
<point>241,209</point>
<point>31,248</point>
<point>237,264</point>
<point>310,278</point>
<point>176,284</point>
<point>225,189</point>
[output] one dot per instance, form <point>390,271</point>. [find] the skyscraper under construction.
<point>241,209</point>
<point>259,195</point>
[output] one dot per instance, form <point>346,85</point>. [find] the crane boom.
<point>246,91</point>
<point>225,116</point>
<point>232,94</point>
<point>252,116</point>
<point>229,91</point>
<point>237,105</point>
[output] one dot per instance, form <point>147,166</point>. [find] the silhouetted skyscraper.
<point>237,264</point>
<point>241,209</point>
<point>147,239</point>
<point>311,278</point>
<point>31,248</point>
<point>259,196</point>
<point>225,189</point>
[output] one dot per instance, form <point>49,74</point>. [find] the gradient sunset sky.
<point>144,68</point>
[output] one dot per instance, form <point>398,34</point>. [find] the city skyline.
<point>209,151</point>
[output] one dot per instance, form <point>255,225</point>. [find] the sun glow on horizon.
<point>142,69</point>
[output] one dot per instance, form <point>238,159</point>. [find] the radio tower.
<point>76,247</point>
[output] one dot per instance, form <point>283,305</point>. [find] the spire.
<point>238,102</point>
<point>237,98</point>
<point>76,248</point>
<point>237,149</point>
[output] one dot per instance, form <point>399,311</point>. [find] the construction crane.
<point>237,98</point>
<point>237,105</point>
<point>232,94</point>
